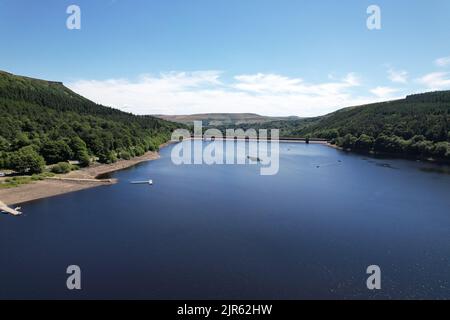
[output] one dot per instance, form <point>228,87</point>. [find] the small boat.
<point>150,182</point>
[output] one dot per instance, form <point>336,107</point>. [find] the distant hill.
<point>45,122</point>
<point>45,119</point>
<point>424,114</point>
<point>223,119</point>
<point>418,125</point>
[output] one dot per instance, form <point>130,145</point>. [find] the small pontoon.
<point>150,182</point>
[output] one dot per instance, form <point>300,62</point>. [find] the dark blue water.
<point>227,232</point>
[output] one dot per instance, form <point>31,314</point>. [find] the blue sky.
<point>271,57</point>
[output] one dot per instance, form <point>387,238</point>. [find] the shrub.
<point>125,155</point>
<point>109,157</point>
<point>62,167</point>
<point>138,151</point>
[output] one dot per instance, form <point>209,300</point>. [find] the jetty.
<point>107,181</point>
<point>4,208</point>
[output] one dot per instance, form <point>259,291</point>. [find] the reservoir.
<point>227,232</point>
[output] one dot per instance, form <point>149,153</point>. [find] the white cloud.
<point>205,92</point>
<point>442,62</point>
<point>435,81</point>
<point>398,76</point>
<point>262,83</point>
<point>276,84</point>
<point>383,92</point>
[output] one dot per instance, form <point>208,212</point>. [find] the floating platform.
<point>150,182</point>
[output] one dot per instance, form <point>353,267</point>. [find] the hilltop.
<point>44,122</point>
<point>418,126</point>
<point>223,119</point>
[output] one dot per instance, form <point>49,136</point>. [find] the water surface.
<point>227,232</point>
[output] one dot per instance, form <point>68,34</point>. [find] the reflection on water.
<point>437,169</point>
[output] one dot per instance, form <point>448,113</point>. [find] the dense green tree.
<point>348,141</point>
<point>4,160</point>
<point>80,151</point>
<point>56,151</point>
<point>423,148</point>
<point>364,143</point>
<point>4,144</point>
<point>27,160</point>
<point>441,149</point>
<point>328,134</point>
<point>390,144</point>
<point>21,140</point>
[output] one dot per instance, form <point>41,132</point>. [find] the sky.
<point>271,57</point>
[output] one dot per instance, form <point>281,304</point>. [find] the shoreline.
<point>394,156</point>
<point>90,177</point>
<point>81,179</point>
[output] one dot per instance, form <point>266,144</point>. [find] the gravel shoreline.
<point>87,179</point>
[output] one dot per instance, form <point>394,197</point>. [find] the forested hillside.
<point>45,121</point>
<point>417,126</point>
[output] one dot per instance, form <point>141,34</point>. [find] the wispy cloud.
<point>398,76</point>
<point>384,92</point>
<point>207,92</point>
<point>435,81</point>
<point>442,62</point>
<point>276,84</point>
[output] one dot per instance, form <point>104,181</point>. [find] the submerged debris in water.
<point>329,164</point>
<point>386,165</point>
